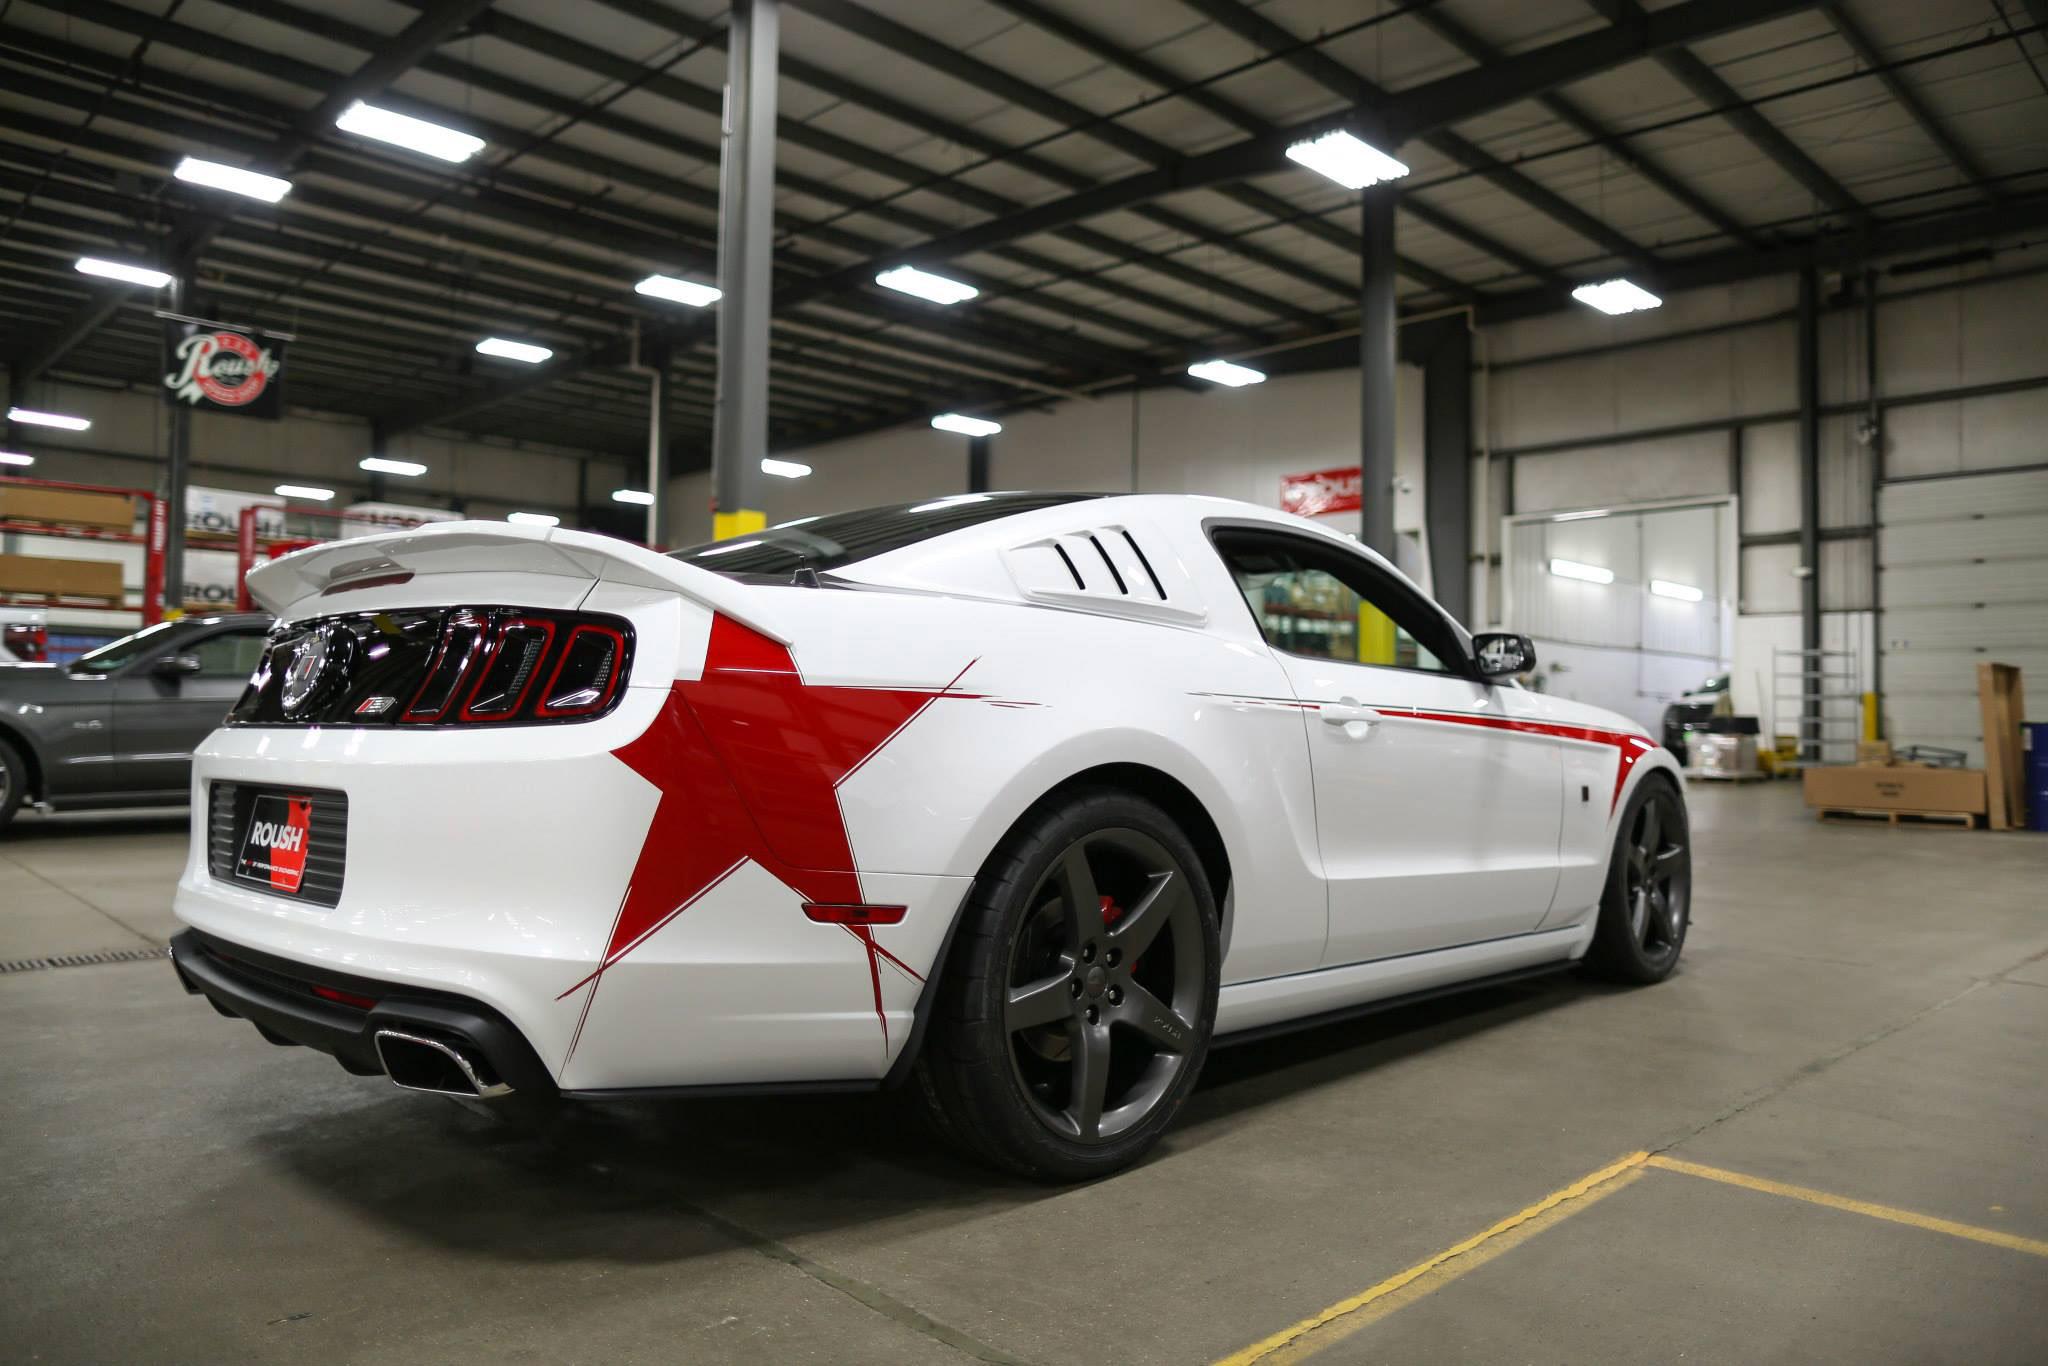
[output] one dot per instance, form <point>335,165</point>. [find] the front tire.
<point>1080,995</point>
<point>13,781</point>
<point>1646,908</point>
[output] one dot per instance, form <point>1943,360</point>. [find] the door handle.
<point>1348,712</point>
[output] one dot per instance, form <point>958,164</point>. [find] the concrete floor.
<point>1863,1012</point>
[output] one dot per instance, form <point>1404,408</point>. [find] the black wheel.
<point>1647,906</point>
<point>1077,1004</point>
<point>13,782</point>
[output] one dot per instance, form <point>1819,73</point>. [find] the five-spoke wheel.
<point>1080,995</point>
<point>1648,902</point>
<point>1104,992</point>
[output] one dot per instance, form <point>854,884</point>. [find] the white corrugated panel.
<point>1964,565</point>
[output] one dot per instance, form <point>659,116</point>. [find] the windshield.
<point>116,653</point>
<point>841,538</point>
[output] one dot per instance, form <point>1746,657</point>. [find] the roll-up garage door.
<point>1964,565</point>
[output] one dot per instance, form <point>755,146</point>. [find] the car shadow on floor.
<point>664,1181</point>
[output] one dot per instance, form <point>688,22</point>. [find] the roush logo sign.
<point>1312,495</point>
<point>273,853</point>
<point>223,371</point>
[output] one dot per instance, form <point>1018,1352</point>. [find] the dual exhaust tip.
<point>418,1063</point>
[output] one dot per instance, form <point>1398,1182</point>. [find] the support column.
<point>746,234</point>
<point>1376,365</point>
<point>657,446</point>
<point>1447,465</point>
<point>977,464</point>
<point>1809,510</point>
<point>178,461</point>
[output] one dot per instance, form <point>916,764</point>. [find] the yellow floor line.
<point>1843,1202</point>
<point>1386,1297</point>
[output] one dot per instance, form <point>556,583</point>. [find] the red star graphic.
<point>748,760</point>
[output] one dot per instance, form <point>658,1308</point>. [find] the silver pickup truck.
<point>117,726</point>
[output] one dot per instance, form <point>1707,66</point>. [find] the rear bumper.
<point>281,998</point>
<point>485,872</point>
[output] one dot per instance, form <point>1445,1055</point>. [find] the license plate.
<point>274,842</point>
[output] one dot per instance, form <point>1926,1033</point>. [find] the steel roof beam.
<point>1251,196</point>
<point>438,22</point>
<point>1707,86</point>
<point>1339,79</point>
<point>1575,117</point>
<point>1733,266</point>
<point>1908,99</point>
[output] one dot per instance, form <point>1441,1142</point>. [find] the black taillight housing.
<point>440,667</point>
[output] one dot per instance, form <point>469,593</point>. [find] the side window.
<point>1316,600</point>
<point>230,654</point>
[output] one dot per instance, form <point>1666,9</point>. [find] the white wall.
<point>1235,443</point>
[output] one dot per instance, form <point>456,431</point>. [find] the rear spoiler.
<point>498,547</point>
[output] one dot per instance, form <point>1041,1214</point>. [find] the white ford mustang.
<point>1026,799</point>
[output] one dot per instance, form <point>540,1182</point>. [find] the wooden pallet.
<point>1933,820</point>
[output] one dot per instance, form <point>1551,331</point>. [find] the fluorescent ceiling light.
<point>1572,569</point>
<point>40,419</point>
<point>514,350</point>
<point>304,491</point>
<point>681,291</point>
<point>1579,516</point>
<point>16,458</point>
<point>643,498</point>
<point>118,270</point>
<point>377,464</point>
<point>533,518</point>
<point>966,426</point>
<point>1223,372</point>
<point>925,285</point>
<point>1684,592</point>
<point>1616,296</point>
<point>1346,160</point>
<point>233,179</point>
<point>787,469</point>
<point>402,130</point>
<point>726,549</point>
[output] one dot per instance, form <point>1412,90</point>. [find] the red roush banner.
<point>1312,495</point>
<point>222,371</point>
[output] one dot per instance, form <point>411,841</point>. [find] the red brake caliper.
<point>1111,912</point>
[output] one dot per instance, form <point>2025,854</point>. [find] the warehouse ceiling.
<point>1112,178</point>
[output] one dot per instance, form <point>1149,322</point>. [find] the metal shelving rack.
<point>1831,683</point>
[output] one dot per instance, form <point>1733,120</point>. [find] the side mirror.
<point>1503,652</point>
<point>176,666</point>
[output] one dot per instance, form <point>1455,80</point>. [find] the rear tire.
<point>13,782</point>
<point>1078,1000</point>
<point>1646,908</point>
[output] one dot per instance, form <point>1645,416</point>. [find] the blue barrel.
<point>2037,774</point>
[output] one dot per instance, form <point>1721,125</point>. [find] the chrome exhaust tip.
<point>417,1063</point>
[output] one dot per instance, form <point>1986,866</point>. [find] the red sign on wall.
<point>1312,495</point>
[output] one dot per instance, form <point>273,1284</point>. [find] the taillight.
<point>586,678</point>
<point>502,664</point>
<point>29,644</point>
<point>509,668</point>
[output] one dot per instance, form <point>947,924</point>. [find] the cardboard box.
<point>1856,787</point>
<point>40,576</point>
<point>67,507</point>
<point>1873,752</point>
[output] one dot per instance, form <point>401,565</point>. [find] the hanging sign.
<point>1312,495</point>
<point>219,371</point>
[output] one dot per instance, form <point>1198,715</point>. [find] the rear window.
<point>843,538</point>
